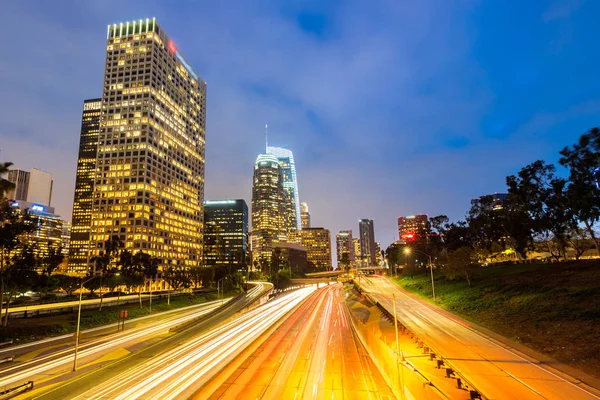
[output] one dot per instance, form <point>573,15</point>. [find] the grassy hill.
<point>551,308</point>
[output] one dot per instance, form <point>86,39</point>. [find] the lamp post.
<point>79,321</point>
<point>222,292</point>
<point>407,251</point>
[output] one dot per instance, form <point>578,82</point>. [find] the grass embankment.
<point>33,328</point>
<point>552,308</point>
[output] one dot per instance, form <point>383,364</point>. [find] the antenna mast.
<point>266,138</point>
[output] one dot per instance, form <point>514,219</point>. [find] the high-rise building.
<point>225,232</point>
<point>356,245</point>
<point>290,186</point>
<point>149,180</point>
<point>304,216</point>
<point>413,227</point>
<point>291,256</point>
<point>367,241</point>
<point>378,258</point>
<point>48,230</point>
<point>79,245</point>
<point>345,245</point>
<point>66,238</point>
<point>268,206</point>
<point>33,187</point>
<point>317,242</point>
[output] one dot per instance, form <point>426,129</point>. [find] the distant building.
<point>290,186</point>
<point>304,216</point>
<point>317,242</point>
<point>367,241</point>
<point>225,232</point>
<point>79,246</point>
<point>66,237</point>
<point>268,206</point>
<point>356,246</point>
<point>378,258</point>
<point>34,186</point>
<point>413,227</point>
<point>48,231</point>
<point>291,256</point>
<point>345,245</point>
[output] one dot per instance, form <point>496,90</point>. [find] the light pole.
<point>407,251</point>
<point>79,321</point>
<point>222,292</point>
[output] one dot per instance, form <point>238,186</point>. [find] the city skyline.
<point>479,123</point>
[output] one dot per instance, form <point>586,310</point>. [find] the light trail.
<point>64,358</point>
<point>179,371</point>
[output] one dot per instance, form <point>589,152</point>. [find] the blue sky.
<point>390,107</point>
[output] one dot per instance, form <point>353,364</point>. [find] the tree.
<point>177,277</point>
<point>484,223</point>
<point>20,275</point>
<point>460,263</point>
<point>68,283</point>
<point>5,184</point>
<point>50,262</point>
<point>583,194</point>
<point>104,263</point>
<point>345,261</point>
<point>147,269</point>
<point>517,225</point>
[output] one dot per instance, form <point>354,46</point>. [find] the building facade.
<point>367,242</point>
<point>285,158</point>
<point>225,232</point>
<point>345,245</point>
<point>317,242</point>
<point>413,227</point>
<point>356,245</point>
<point>268,207</point>
<point>304,216</point>
<point>291,256</point>
<point>79,246</point>
<point>149,180</point>
<point>33,186</point>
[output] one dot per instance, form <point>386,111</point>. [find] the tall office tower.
<point>356,245</point>
<point>345,245</point>
<point>268,206</point>
<point>413,227</point>
<point>378,257</point>
<point>34,186</point>
<point>290,186</point>
<point>367,241</point>
<point>79,245</point>
<point>317,242</point>
<point>304,216</point>
<point>20,179</point>
<point>149,182</point>
<point>225,232</point>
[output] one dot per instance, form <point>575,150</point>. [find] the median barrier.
<point>15,391</point>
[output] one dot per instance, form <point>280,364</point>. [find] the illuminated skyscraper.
<point>317,242</point>
<point>79,244</point>
<point>345,245</point>
<point>413,227</point>
<point>268,206</point>
<point>367,242</point>
<point>290,186</point>
<point>225,232</point>
<point>149,181</point>
<point>304,216</point>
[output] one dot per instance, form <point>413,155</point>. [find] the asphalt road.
<point>496,370</point>
<point>314,354</point>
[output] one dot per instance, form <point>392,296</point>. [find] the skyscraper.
<point>34,186</point>
<point>317,242</point>
<point>268,206</point>
<point>149,181</point>
<point>304,216</point>
<point>345,245</point>
<point>290,186</point>
<point>413,227</point>
<point>367,241</point>
<point>79,245</point>
<point>225,232</point>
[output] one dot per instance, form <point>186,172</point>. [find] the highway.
<point>496,370</point>
<point>313,354</point>
<point>183,369</point>
<point>54,360</point>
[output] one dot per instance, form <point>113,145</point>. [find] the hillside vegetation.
<point>551,308</point>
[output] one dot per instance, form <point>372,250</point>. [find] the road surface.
<point>314,354</point>
<point>496,370</point>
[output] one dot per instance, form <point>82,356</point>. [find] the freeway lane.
<point>314,354</point>
<point>60,361</point>
<point>180,371</point>
<point>496,371</point>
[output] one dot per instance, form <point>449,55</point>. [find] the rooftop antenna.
<point>266,137</point>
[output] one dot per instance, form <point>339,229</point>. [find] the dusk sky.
<point>391,108</point>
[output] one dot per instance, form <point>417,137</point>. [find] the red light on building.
<point>408,236</point>
<point>171,47</point>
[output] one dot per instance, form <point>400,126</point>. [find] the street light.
<point>222,293</point>
<point>79,321</point>
<point>408,250</point>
